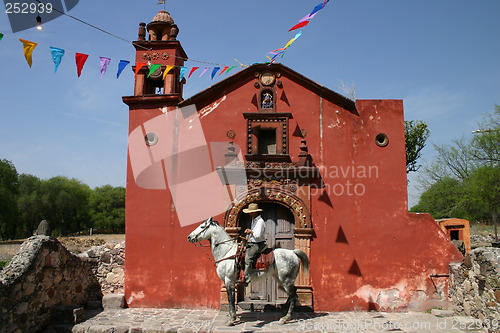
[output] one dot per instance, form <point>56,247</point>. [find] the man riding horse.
<point>256,240</point>
<point>285,267</point>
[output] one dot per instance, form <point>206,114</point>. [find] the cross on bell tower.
<point>157,44</point>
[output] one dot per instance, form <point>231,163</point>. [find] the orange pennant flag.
<point>138,67</point>
<point>223,70</point>
<point>28,50</point>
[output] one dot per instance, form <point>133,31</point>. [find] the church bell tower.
<point>157,90</point>
<point>160,56</point>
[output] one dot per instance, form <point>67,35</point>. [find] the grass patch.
<point>477,228</point>
<point>3,263</point>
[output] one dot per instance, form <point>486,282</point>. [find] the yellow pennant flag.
<point>168,69</point>
<point>28,50</point>
<point>289,42</point>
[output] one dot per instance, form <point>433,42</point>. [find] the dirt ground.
<point>75,244</point>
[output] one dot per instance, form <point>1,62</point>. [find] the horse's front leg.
<point>231,297</point>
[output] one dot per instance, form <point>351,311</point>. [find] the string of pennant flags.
<point>218,69</point>
<point>81,58</point>
<point>280,52</point>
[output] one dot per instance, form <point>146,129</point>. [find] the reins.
<point>234,256</point>
<point>204,251</point>
<point>239,249</point>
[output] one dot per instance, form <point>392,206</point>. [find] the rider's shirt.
<point>258,227</point>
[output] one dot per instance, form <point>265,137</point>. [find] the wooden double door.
<point>279,234</point>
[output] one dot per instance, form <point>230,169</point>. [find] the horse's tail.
<point>303,258</point>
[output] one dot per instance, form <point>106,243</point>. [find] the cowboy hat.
<point>253,207</point>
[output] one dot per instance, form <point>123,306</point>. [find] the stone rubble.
<point>475,285</point>
<point>482,240</point>
<point>110,270</point>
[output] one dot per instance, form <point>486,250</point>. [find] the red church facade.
<point>328,171</point>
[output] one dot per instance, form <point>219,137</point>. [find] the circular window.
<point>151,139</point>
<point>382,140</point>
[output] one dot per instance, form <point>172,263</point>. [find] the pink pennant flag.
<point>308,17</point>
<point>104,65</point>
<point>192,71</point>
<point>206,69</point>
<point>80,61</point>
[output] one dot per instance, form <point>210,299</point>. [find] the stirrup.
<point>242,283</point>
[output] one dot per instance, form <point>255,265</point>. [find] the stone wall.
<point>109,268</point>
<point>475,286</point>
<point>42,276</point>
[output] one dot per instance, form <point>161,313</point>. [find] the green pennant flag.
<point>230,68</point>
<point>153,68</point>
<point>1,36</point>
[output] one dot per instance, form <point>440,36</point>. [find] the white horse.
<point>284,269</point>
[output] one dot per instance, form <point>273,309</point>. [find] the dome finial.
<point>162,27</point>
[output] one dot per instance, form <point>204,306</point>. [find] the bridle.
<point>234,256</point>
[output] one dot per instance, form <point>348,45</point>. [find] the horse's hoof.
<point>283,320</point>
<point>229,322</point>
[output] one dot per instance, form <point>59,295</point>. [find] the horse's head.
<point>203,231</point>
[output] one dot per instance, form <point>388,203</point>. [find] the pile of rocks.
<point>482,240</point>
<point>475,285</point>
<point>110,270</point>
<point>77,245</point>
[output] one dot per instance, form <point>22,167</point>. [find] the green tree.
<point>444,198</point>
<point>416,134</point>
<point>30,204</point>
<point>463,181</point>
<point>452,161</point>
<point>484,190</point>
<point>108,208</point>
<point>9,189</point>
<point>66,204</point>
<point>486,142</point>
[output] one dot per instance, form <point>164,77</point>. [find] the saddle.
<point>266,259</point>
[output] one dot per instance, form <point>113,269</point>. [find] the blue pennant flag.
<point>121,65</point>
<point>57,55</point>
<point>182,72</point>
<point>216,69</point>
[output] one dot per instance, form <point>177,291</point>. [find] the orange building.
<point>328,171</point>
<point>456,229</point>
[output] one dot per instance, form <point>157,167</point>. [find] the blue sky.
<point>440,56</point>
